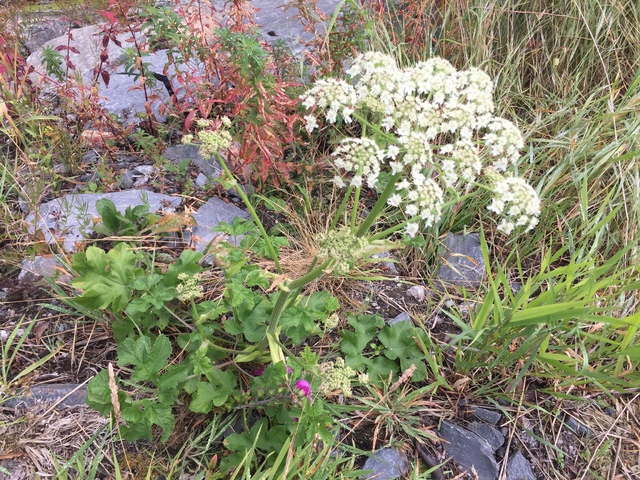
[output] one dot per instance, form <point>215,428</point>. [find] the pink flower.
<point>304,387</point>
<point>288,369</point>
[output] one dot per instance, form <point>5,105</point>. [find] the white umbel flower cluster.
<point>362,156</point>
<point>442,134</point>
<point>518,202</point>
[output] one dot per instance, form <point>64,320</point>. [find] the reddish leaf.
<point>60,48</point>
<point>105,77</point>
<point>105,41</point>
<point>70,65</point>
<point>74,50</point>
<point>109,16</point>
<point>188,120</point>
<point>104,55</point>
<point>115,40</point>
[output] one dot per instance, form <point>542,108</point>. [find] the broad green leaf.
<point>149,359</point>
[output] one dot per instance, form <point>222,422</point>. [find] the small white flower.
<point>411,210</point>
<point>411,229</point>
<point>309,101</point>
<point>338,181</point>
<point>394,200</point>
<point>312,124</point>
<point>392,151</point>
<point>346,114</point>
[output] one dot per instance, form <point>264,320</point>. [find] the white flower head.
<point>312,124</point>
<point>518,202</point>
<point>360,156</point>
<point>411,229</point>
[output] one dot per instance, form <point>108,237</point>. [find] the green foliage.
<point>105,278</point>
<point>116,224</point>
<point>52,60</point>
<point>397,351</point>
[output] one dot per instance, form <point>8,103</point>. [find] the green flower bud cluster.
<point>213,136</point>
<point>190,287</point>
<point>336,377</point>
<point>211,142</point>
<point>342,246</point>
<point>332,321</point>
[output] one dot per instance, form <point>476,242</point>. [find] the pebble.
<point>403,317</point>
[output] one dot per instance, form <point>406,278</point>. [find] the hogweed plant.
<point>428,140</point>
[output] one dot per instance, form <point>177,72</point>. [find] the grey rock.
<point>208,166</point>
<point>489,433</point>
<point>38,33</point>
<point>462,261</point>
<point>390,266</point>
<point>469,450</point>
<point>128,179</point>
<point>386,464</point>
<point>210,215</point>
<point>91,156</point>
<point>576,426</point>
<point>43,266</point>
<point>120,99</point>
<point>68,220</point>
<point>279,25</point>
<point>88,42</point>
<point>519,468</point>
<point>485,415</point>
<point>201,180</point>
<point>403,317</point>
<point>63,396</point>
<point>418,292</point>
<point>138,177</point>
<point>145,169</point>
<point>515,287</point>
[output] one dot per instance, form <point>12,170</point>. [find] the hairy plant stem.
<point>292,288</point>
<point>252,212</point>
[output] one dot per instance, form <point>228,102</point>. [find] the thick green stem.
<point>254,215</point>
<point>379,206</point>
<point>281,303</point>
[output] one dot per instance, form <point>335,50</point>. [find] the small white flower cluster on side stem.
<point>432,129</point>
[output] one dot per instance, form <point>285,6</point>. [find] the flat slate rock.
<point>519,468</point>
<point>210,215</point>
<point>462,261</point>
<point>489,433</point>
<point>488,416</point>
<point>63,395</point>
<point>469,450</point>
<point>386,464</point>
<point>49,266</point>
<point>68,220</point>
